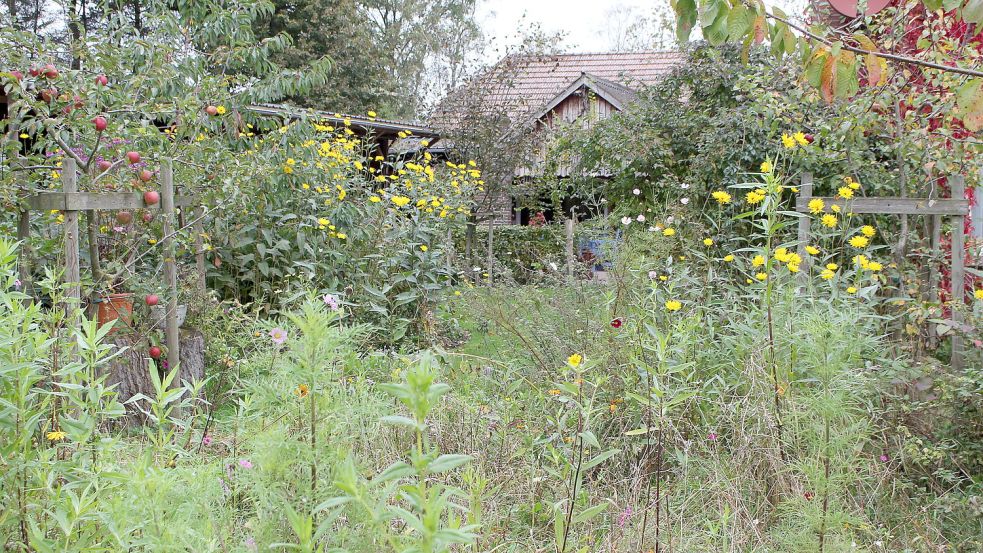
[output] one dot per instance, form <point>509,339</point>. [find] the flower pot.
<point>116,307</point>
<point>158,316</point>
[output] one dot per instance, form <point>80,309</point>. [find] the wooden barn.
<point>534,94</point>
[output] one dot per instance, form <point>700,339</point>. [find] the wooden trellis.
<point>71,202</point>
<point>956,207</point>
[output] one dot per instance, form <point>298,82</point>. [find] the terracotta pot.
<point>116,306</point>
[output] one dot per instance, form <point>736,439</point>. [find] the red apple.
<point>79,103</point>
<point>100,123</point>
<point>147,216</point>
<point>124,217</point>
<point>102,80</point>
<point>17,75</point>
<point>154,352</point>
<point>151,300</point>
<point>50,71</point>
<point>34,71</point>
<point>211,110</point>
<point>133,157</point>
<point>146,176</point>
<point>49,94</point>
<point>104,165</point>
<point>810,138</point>
<point>151,197</point>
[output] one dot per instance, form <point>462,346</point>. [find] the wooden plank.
<point>933,274</point>
<point>91,228</point>
<point>569,247</point>
<point>958,187</point>
<point>170,264</point>
<point>70,228</point>
<point>85,201</point>
<point>199,229</point>
<point>491,251</point>
<point>901,206</point>
<point>805,223</point>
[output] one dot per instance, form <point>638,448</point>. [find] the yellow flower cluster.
<point>790,141</point>
<point>721,197</point>
<point>755,196</point>
<point>791,259</point>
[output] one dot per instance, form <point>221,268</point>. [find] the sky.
<point>583,21</point>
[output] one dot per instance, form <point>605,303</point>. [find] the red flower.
<point>809,496</point>
<point>616,323</point>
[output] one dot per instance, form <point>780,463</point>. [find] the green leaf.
<point>973,12</point>
<point>447,462</point>
<point>686,16</point>
<point>590,513</point>
<point>600,458</point>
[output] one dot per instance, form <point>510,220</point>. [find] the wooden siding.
<point>583,108</point>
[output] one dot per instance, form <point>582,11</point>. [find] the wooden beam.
<point>958,187</point>
<point>900,206</point>
<point>86,201</point>
<point>70,228</point>
<point>170,263</point>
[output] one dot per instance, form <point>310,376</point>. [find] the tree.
<point>338,30</point>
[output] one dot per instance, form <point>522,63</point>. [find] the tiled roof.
<point>524,84</point>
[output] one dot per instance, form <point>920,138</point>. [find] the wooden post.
<point>933,274</point>
<point>805,223</point>
<point>24,267</point>
<point>200,246</point>
<point>91,227</point>
<point>449,253</point>
<point>170,267</point>
<point>569,248</point>
<point>491,251</point>
<point>73,293</point>
<point>958,187</point>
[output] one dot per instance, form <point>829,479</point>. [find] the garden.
<point>222,330</point>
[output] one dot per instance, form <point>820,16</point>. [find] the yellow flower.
<point>859,241</point>
<point>812,250</point>
<point>375,199</point>
<point>868,231</point>
<point>457,292</point>
<point>342,236</point>
<point>55,436</point>
<point>668,232</point>
<point>371,113</point>
<point>424,248</point>
<point>793,267</point>
<point>845,192</point>
<point>721,197</point>
<point>761,276</point>
<point>978,293</point>
<point>816,205</point>
<point>788,141</point>
<point>673,305</point>
<point>220,110</point>
<point>766,166</point>
<point>851,290</point>
<point>707,242</point>
<point>553,392</point>
<point>400,200</point>
<point>729,257</point>
<point>288,169</point>
<point>755,196</point>
<point>575,360</point>
<point>305,186</point>
<point>861,260</point>
<point>800,137</point>
<point>663,278</point>
<point>874,266</point>
<point>829,220</point>
<point>832,266</point>
<point>302,391</point>
<point>827,274</point>
<point>758,260</point>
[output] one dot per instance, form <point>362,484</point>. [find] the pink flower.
<point>331,301</point>
<point>17,283</point>
<point>712,436</point>
<point>207,440</point>
<point>279,335</point>
<point>623,518</point>
<point>884,458</point>
<point>244,463</point>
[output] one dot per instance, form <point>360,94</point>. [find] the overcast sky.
<point>584,21</point>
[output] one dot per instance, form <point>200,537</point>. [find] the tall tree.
<point>337,29</point>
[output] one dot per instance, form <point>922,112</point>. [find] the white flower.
<point>553,266</point>
<point>684,186</point>
<point>652,229</point>
<point>636,191</point>
<point>670,219</point>
<point>640,218</point>
<point>684,201</point>
<point>626,220</point>
<point>653,274</point>
<point>604,200</point>
<point>476,269</point>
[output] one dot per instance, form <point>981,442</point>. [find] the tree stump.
<point>130,371</point>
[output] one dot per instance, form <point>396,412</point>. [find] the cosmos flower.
<point>278,335</point>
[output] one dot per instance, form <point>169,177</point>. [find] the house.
<point>529,96</point>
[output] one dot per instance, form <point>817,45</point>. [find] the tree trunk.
<point>131,370</point>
